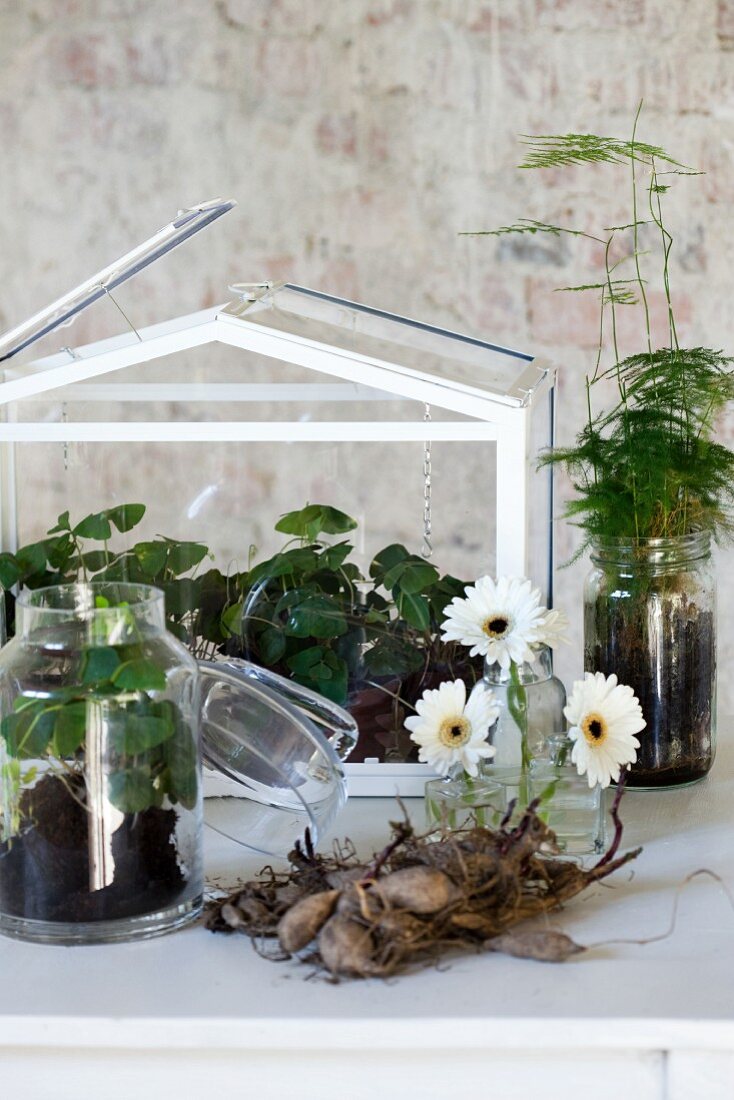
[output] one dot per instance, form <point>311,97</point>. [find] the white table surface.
<point>193,1012</point>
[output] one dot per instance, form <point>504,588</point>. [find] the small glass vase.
<point>100,773</point>
<point>572,809</point>
<point>650,617</point>
<point>460,802</point>
<point>529,707</point>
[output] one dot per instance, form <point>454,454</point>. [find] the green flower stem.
<point>471,800</point>
<point>517,704</point>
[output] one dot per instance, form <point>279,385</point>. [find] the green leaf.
<point>297,562</point>
<point>28,732</point>
<point>152,557</point>
<point>181,754</point>
<point>62,524</point>
<point>100,663</point>
<point>32,558</point>
<point>311,521</point>
<point>232,620</point>
<point>94,560</point>
<point>131,790</point>
<point>306,660</point>
<point>387,559</point>
<point>133,734</point>
<point>182,595</point>
<point>183,556</point>
<point>414,609</point>
<point>125,568</point>
<point>126,516</point>
<point>59,551</point>
<point>271,645</point>
<point>334,556</point>
<point>139,674</point>
<point>94,526</point>
<point>316,617</point>
<point>322,670</point>
<point>410,576</point>
<point>389,658</point>
<point>70,727</point>
<point>9,570</point>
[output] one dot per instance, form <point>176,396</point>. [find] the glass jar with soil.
<point>650,617</point>
<point>100,830</point>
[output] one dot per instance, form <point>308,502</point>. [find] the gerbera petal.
<point>617,717</point>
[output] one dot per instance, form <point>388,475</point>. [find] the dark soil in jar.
<point>666,652</point>
<point>381,707</point>
<point>372,706</point>
<point>45,870</point>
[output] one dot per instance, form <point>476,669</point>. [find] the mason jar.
<point>650,617</point>
<point>100,775</point>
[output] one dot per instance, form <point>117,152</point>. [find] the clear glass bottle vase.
<point>531,708</point>
<point>459,801</point>
<point>572,809</point>
<point>100,773</point>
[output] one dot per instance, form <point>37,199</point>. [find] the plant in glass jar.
<point>370,642</point>
<point>652,483</point>
<point>99,768</point>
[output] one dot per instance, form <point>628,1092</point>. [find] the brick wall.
<point>361,137</point>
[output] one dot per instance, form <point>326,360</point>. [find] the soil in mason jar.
<point>673,677</point>
<point>45,871</point>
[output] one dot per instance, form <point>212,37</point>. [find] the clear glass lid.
<point>412,348</point>
<point>283,747</point>
<point>63,310</point>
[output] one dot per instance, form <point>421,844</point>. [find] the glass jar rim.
<point>691,538</point>
<point>134,596</point>
<point>689,547</point>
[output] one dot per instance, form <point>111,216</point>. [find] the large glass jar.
<point>650,617</point>
<point>100,791</point>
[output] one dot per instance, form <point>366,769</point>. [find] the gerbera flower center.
<point>594,727</point>
<point>454,731</point>
<point>496,626</point>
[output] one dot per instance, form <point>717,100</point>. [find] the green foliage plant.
<point>153,745</point>
<point>648,466</point>
<point>109,685</point>
<point>196,597</point>
<point>310,613</point>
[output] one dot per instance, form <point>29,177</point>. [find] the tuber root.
<point>543,946</point>
<point>302,922</point>
<point>422,890</point>
<point>346,948</point>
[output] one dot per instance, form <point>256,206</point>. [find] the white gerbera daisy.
<point>499,621</point>
<point>449,730</point>
<point>603,717</point>
<point>552,632</point>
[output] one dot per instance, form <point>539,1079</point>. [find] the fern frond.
<point>559,150</point>
<point>527,225</point>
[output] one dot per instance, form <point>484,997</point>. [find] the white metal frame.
<point>500,418</point>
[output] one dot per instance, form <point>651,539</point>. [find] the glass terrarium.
<point>319,478</point>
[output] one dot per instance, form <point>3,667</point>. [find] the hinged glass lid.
<point>58,313</point>
<point>413,349</point>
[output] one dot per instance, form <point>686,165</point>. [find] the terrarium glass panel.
<point>403,343</point>
<point>312,480</point>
